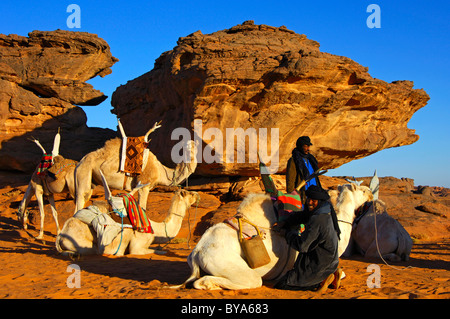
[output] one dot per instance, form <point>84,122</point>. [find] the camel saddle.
<point>132,160</point>
<point>134,215</point>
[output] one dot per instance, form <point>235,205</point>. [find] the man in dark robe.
<point>316,266</point>
<point>300,166</point>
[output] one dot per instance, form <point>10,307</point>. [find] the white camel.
<point>57,179</point>
<point>78,238</point>
<point>219,254</point>
<point>350,197</point>
<point>392,241</point>
<point>108,160</point>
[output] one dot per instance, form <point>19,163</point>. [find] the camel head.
<point>360,194</point>
<point>190,198</point>
<point>116,202</point>
<point>374,185</point>
<point>187,166</point>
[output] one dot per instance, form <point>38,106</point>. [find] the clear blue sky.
<point>412,44</point>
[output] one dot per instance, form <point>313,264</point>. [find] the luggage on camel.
<point>255,252</point>
<point>284,204</point>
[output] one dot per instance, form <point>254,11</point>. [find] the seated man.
<point>316,265</point>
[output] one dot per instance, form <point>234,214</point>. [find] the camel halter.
<point>189,226</point>
<point>120,213</point>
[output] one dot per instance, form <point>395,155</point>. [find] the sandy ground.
<point>33,269</point>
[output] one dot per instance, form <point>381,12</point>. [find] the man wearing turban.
<point>300,166</point>
<point>316,266</point>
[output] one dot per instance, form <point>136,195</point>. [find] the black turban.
<point>315,192</point>
<point>303,140</point>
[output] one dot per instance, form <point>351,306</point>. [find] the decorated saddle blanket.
<point>44,165</point>
<point>136,215</point>
<point>286,204</point>
<point>132,157</point>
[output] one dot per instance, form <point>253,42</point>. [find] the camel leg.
<point>136,242</point>
<point>51,199</point>
<point>23,213</point>
<point>40,199</point>
<point>143,195</point>
<point>75,237</point>
<point>372,252</point>
<point>232,273</point>
<point>120,243</point>
<point>83,186</point>
<point>139,244</point>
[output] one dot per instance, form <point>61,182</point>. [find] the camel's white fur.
<point>76,236</point>
<point>108,159</point>
<point>349,198</point>
<point>219,254</point>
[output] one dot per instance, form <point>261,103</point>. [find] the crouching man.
<point>316,266</point>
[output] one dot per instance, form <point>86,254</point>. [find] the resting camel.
<point>78,238</point>
<point>219,254</point>
<point>56,180</point>
<point>394,242</point>
<point>108,160</point>
<point>350,197</point>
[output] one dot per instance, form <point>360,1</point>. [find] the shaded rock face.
<point>257,76</point>
<point>42,78</point>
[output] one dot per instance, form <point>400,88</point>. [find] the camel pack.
<point>284,204</point>
<point>133,214</point>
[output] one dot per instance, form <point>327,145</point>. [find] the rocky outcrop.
<point>258,76</point>
<point>42,79</point>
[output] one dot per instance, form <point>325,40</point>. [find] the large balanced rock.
<point>257,76</point>
<point>42,78</point>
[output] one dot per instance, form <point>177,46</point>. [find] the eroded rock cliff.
<point>42,79</point>
<point>258,76</point>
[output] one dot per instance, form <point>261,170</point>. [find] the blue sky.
<point>412,44</point>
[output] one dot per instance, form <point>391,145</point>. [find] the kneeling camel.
<point>220,256</point>
<point>77,237</point>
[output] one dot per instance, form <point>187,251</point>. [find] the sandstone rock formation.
<point>258,76</point>
<point>42,78</point>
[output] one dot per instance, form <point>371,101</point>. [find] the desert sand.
<point>33,268</point>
